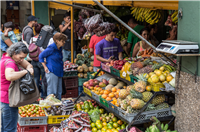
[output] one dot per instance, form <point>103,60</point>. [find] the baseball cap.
<point>32,18</point>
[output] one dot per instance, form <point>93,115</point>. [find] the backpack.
<point>34,51</point>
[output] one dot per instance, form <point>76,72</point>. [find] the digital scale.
<point>178,47</point>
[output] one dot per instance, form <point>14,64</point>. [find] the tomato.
<point>37,115</point>
<point>41,114</point>
<point>29,114</point>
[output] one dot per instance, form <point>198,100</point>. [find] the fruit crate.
<point>133,78</point>
<point>81,81</point>
<point>89,74</point>
<point>70,73</point>
<point>113,108</point>
<point>28,121</point>
<point>105,67</point>
<point>71,93</point>
<point>70,82</point>
<point>104,102</point>
<point>56,119</point>
<point>95,96</point>
<point>145,115</point>
<point>33,128</point>
<point>49,126</point>
<point>87,91</point>
<point>115,71</point>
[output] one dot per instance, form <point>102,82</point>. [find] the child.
<point>8,28</point>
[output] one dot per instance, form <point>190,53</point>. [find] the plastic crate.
<point>89,74</point>
<point>104,102</point>
<point>70,82</point>
<point>71,93</point>
<point>34,128</point>
<point>95,96</point>
<point>49,126</point>
<point>145,115</point>
<point>113,108</point>
<point>56,119</point>
<point>80,90</point>
<point>105,67</point>
<point>133,78</point>
<point>28,121</point>
<point>87,91</point>
<point>115,71</point>
<point>70,73</point>
<point>81,81</point>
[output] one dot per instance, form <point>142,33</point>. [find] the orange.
<point>101,92</point>
<point>116,96</point>
<point>124,87</point>
<point>111,95</point>
<point>106,92</point>
<point>104,96</point>
<point>148,88</point>
<point>169,78</point>
<point>114,89</point>
<point>108,99</point>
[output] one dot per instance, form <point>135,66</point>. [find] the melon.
<point>80,75</point>
<point>113,81</point>
<point>121,84</point>
<point>80,69</point>
<point>85,75</point>
<point>109,87</point>
<point>91,69</point>
<point>84,66</point>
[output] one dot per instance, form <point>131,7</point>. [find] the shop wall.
<point>189,29</point>
<point>42,11</point>
<point>24,12</point>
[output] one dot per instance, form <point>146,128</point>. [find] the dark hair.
<point>9,25</point>
<point>59,36</point>
<point>144,29</point>
<point>152,26</point>
<point>115,29</point>
<point>17,48</point>
<point>67,14</point>
<point>38,27</point>
<point>132,20</point>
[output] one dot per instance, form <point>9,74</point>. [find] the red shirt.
<point>93,41</point>
<point>5,83</point>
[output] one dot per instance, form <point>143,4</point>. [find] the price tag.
<point>124,74</point>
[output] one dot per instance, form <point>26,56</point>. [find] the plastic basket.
<point>71,93</point>
<point>89,74</point>
<point>49,126</point>
<point>70,73</point>
<point>28,121</point>
<point>133,78</point>
<point>81,81</point>
<point>56,119</point>
<point>87,91</point>
<point>113,108</point>
<point>70,82</point>
<point>145,115</point>
<point>104,102</point>
<point>34,128</point>
<point>95,96</point>
<point>115,71</point>
<point>105,67</point>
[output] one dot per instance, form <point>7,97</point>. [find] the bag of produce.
<point>85,117</point>
<point>85,124</point>
<point>75,114</point>
<point>94,115</point>
<point>77,119</point>
<point>86,129</point>
<point>73,125</point>
<point>93,22</point>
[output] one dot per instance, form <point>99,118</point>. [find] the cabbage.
<point>172,82</point>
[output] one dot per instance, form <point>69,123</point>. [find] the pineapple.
<point>150,107</point>
<point>136,94</point>
<point>128,99</point>
<point>139,64</point>
<point>124,104</point>
<point>146,96</point>
<point>123,93</point>
<point>140,86</point>
<point>129,88</point>
<point>130,110</point>
<point>137,104</point>
<point>119,101</point>
<point>136,71</point>
<point>158,99</point>
<point>162,106</point>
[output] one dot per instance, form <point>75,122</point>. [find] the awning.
<point>58,6</point>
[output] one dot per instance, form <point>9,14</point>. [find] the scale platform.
<point>179,48</point>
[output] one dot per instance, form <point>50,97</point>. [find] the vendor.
<point>109,47</point>
<point>172,33</point>
<point>142,45</point>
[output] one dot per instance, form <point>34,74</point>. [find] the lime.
<point>123,126</point>
<point>104,124</point>
<point>99,131</point>
<point>104,129</point>
<point>114,119</point>
<point>99,126</point>
<point>115,131</point>
<point>115,125</point>
<point>118,128</point>
<point>104,119</point>
<point>94,129</point>
<point>110,127</point>
<point>98,121</point>
<point>92,124</point>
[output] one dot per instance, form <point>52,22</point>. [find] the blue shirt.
<point>12,37</point>
<point>4,46</point>
<point>53,59</point>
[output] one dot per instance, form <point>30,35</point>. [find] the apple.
<point>91,84</point>
<point>87,86</point>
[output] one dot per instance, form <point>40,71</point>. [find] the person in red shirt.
<point>93,41</point>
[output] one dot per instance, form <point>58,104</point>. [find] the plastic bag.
<point>78,120</point>
<point>75,114</point>
<point>104,28</point>
<point>73,125</point>
<point>86,129</point>
<point>85,117</point>
<point>94,115</point>
<point>93,22</point>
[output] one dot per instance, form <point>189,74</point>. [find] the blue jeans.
<point>67,55</point>
<point>38,70</point>
<point>54,85</point>
<point>9,118</point>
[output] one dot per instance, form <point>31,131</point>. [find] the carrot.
<point>145,51</point>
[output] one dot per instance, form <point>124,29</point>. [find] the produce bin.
<point>32,128</point>
<point>71,93</point>
<point>28,121</point>
<point>49,126</point>
<point>133,78</point>
<point>81,81</point>
<point>56,119</point>
<point>105,67</point>
<point>87,91</point>
<point>115,71</point>
<point>89,74</point>
<point>70,74</point>
<point>70,82</point>
<point>104,102</point>
<point>95,96</point>
<point>145,115</point>
<point>113,108</point>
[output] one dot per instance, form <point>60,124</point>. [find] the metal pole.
<point>124,24</point>
<point>79,7</point>
<point>72,34</point>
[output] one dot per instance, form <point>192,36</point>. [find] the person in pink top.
<point>93,41</point>
<point>10,72</point>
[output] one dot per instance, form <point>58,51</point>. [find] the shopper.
<point>66,29</point>
<point>27,32</point>
<point>109,47</point>
<point>8,28</point>
<point>3,46</point>
<point>93,41</point>
<point>9,72</point>
<point>37,66</point>
<point>172,33</point>
<point>142,45</point>
<point>132,38</point>
<point>152,30</point>
<point>54,65</point>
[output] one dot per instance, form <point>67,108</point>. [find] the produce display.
<point>117,64</point>
<point>86,106</point>
<point>68,66</point>
<point>85,58</point>
<point>49,101</point>
<point>31,111</point>
<point>172,19</point>
<point>123,32</point>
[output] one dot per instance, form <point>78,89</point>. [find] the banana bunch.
<point>169,68</point>
<point>164,128</point>
<point>145,14</point>
<point>174,17</point>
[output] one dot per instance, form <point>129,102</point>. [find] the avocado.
<point>82,106</point>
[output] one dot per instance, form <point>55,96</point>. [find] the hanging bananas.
<point>145,14</point>
<point>174,17</point>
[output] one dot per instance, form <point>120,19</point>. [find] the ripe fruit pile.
<point>117,64</point>
<point>31,111</point>
<point>86,105</point>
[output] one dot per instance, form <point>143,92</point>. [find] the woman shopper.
<point>54,65</point>
<point>37,66</point>
<point>10,72</point>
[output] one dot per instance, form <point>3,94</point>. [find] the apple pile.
<point>117,64</point>
<point>95,83</point>
<point>31,111</point>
